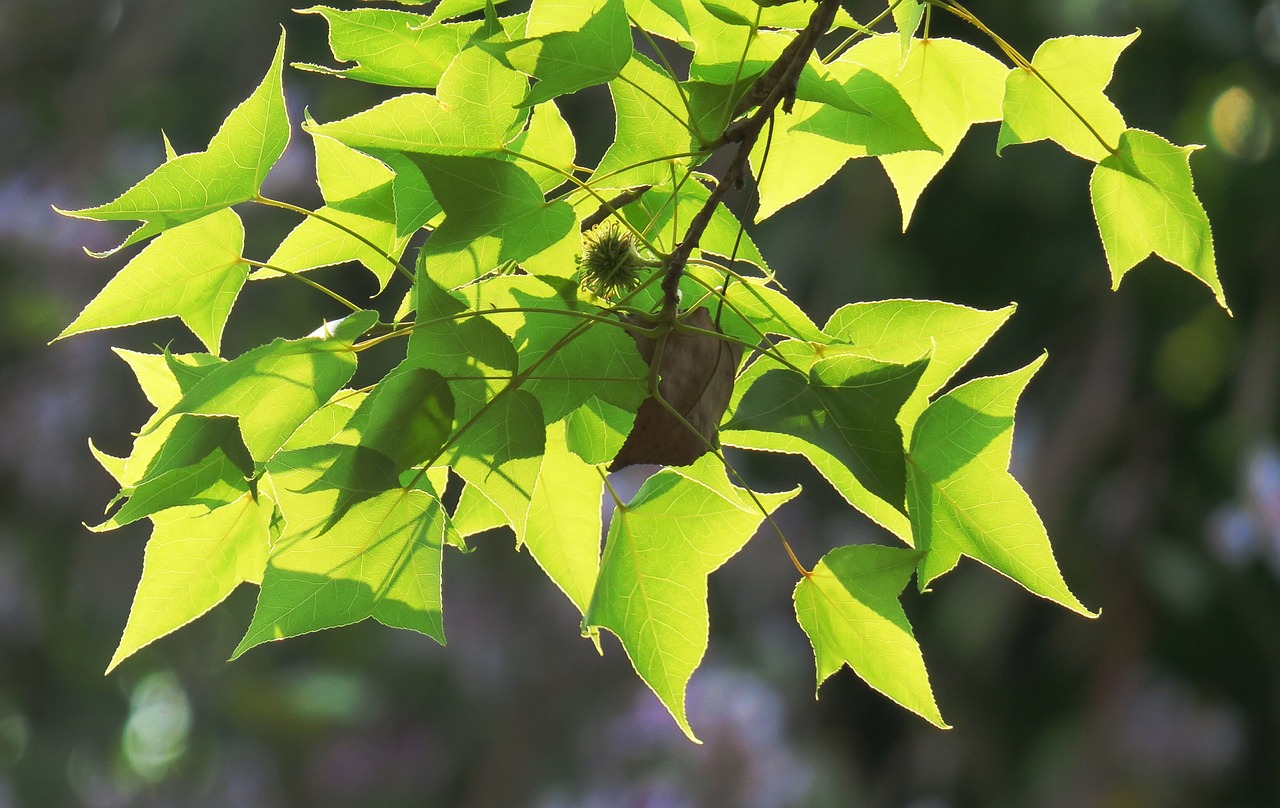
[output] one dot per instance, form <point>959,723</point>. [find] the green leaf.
<point>848,605</point>
<point>215,481</point>
<point>230,171</point>
<point>562,529</point>
<point>415,204</point>
<point>358,223</point>
<point>596,430</point>
<point>471,352</point>
<point>681,526</point>
<point>166,443</point>
<point>195,558</point>
<point>949,86</point>
<point>962,498</point>
<point>495,212</point>
<point>1145,203</point>
<point>396,48</point>
<point>472,112</point>
<point>272,389</point>
<point>407,416</point>
<point>475,513</point>
<point>841,416</point>
<point>193,272</point>
<point>907,15</point>
<point>903,330</point>
<point>1079,68</point>
<point>326,423</point>
<point>565,60</point>
<point>501,454</point>
<point>817,139</point>
<point>601,360</point>
<point>652,131</point>
<point>549,140</point>
<point>346,555</point>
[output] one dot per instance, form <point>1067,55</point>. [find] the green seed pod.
<point>610,264</point>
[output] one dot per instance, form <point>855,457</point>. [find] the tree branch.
<point>776,86</point>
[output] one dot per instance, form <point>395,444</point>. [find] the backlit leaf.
<point>396,48</point>
<point>1145,203</point>
<point>272,389</point>
<point>566,60</point>
<point>962,498</point>
<point>848,605</point>
<point>841,416</point>
<point>193,272</point>
<point>652,590</point>
<point>472,112</point>
<point>495,212</point>
<point>907,15</point>
<point>195,558</point>
<point>810,145</point>
<point>348,554</point>
<point>652,133</point>
<point>357,223</point>
<point>949,85</point>
<point>904,330</point>
<point>562,530</point>
<point>1078,68</point>
<point>230,171</point>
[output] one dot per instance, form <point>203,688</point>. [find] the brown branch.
<point>776,86</point>
<point>613,206</point>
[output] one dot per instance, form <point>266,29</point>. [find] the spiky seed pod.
<point>610,264</point>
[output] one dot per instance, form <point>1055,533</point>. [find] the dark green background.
<point>1148,441</point>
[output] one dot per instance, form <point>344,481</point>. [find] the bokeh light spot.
<point>155,735</point>
<point>1240,126</point>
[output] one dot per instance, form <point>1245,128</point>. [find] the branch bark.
<point>777,85</point>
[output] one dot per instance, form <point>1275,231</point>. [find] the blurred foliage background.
<point>1149,442</point>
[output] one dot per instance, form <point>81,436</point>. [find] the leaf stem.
<point>1024,63</point>
<point>779,89</point>
<point>604,203</point>
<point>860,30</point>
<point>275,203</point>
<point>319,287</point>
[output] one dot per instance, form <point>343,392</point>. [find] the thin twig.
<point>778,87</point>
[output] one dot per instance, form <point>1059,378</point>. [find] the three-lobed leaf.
<point>193,272</point>
<point>231,170</point>
<point>681,526</point>
<point>962,498</point>
<point>1060,96</point>
<point>848,605</point>
<point>1145,203</point>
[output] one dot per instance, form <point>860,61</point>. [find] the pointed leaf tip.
<point>962,499</point>
<point>848,606</point>
<point>1144,202</point>
<point>683,524</point>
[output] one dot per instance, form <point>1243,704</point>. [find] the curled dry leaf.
<point>696,379</point>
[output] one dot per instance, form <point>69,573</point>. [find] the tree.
<point>561,321</point>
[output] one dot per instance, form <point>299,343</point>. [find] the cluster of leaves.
<point>516,384</point>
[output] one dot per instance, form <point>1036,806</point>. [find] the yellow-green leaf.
<point>193,272</point>
<point>652,590</point>
<point>230,171</point>
<point>1145,203</point>
<point>848,605</point>
<point>962,498</point>
<point>1073,72</point>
